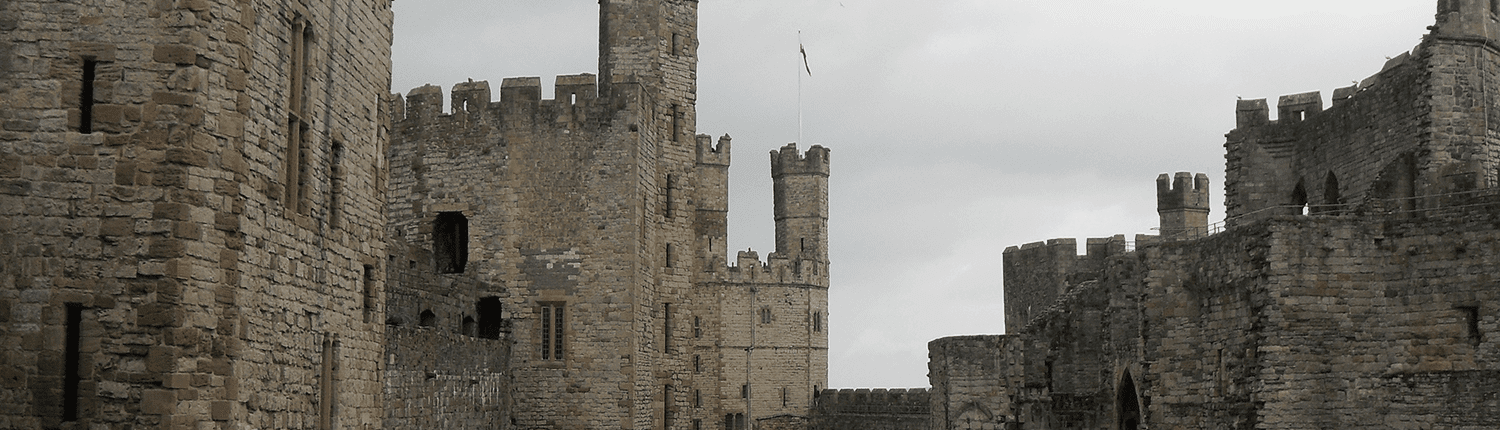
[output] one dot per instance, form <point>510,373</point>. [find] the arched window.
<point>450,242</point>
<point>428,319</point>
<point>467,329</point>
<point>1127,404</point>
<point>1331,197</point>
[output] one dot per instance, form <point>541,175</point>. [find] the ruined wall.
<point>192,235</point>
<point>866,409</point>
<point>436,378</point>
<point>975,380</point>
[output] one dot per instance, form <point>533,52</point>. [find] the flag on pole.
<point>804,53</point>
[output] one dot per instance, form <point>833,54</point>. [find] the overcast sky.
<point>957,127</point>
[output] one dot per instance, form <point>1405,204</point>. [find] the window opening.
<point>1471,324</point>
<point>697,327</point>
<point>697,364</point>
<point>490,317</point>
<point>783,397</point>
<point>72,360</point>
<point>327,407</point>
<point>697,398</point>
<point>666,326</point>
<point>335,182</point>
<point>669,255</point>
<point>467,328</point>
<point>427,319</point>
<point>369,286</point>
<point>1299,200</point>
<point>450,242</point>
<point>297,127</point>
<point>697,424</point>
<point>1331,196</point>
<point>676,123</point>
<point>765,315</point>
<point>817,321</point>
<point>671,199</point>
<point>1127,404</point>
<point>552,331</point>
<point>86,96</point>
<point>666,407</point>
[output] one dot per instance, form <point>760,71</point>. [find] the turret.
<point>1472,20</point>
<point>650,43</point>
<point>712,222</point>
<point>1182,202</point>
<point>801,198</point>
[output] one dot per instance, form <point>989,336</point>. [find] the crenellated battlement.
<point>776,269</point>
<point>1037,273</point>
<point>1182,191</point>
<point>789,161</point>
<point>574,97</point>
<point>710,154</point>
<point>1294,108</point>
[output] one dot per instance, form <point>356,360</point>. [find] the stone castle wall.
<point>179,252</point>
<point>878,409</point>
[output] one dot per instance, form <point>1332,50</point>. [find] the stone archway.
<point>1127,404</point>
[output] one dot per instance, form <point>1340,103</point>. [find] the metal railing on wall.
<point>1399,206</point>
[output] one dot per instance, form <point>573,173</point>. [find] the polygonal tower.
<point>801,198</point>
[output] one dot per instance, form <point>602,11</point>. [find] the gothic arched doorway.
<point>1127,406</point>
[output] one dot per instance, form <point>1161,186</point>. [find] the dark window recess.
<point>72,360</point>
<point>490,323</point>
<point>765,315</point>
<point>335,183</point>
<point>783,397</point>
<point>450,242</point>
<point>369,287</point>
<point>697,424</point>
<point>817,321</point>
<point>671,203</point>
<point>328,389</point>
<point>697,364</point>
<point>666,407</point>
<point>427,319</point>
<point>666,326</point>
<point>86,97</point>
<point>1471,324</point>
<point>697,398</point>
<point>552,331</point>
<point>467,329</point>
<point>744,391</point>
<point>669,255</point>
<point>1299,200</point>
<point>697,327</point>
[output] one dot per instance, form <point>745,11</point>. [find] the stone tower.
<point>191,228</point>
<point>801,199</point>
<point>569,256</point>
<point>1182,203</point>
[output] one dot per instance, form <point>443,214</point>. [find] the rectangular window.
<point>666,326</point>
<point>817,321</point>
<point>697,424</point>
<point>1470,315</point>
<point>335,183</point>
<point>765,315</point>
<point>369,286</point>
<point>552,331</point>
<point>671,201</point>
<point>490,317</point>
<point>666,407</point>
<point>697,327</point>
<point>744,391</point>
<point>72,360</point>
<point>697,364</point>
<point>697,398</point>
<point>296,130</point>
<point>783,397</point>
<point>328,390</point>
<point>450,242</point>
<point>86,96</point>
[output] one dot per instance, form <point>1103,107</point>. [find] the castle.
<point>213,215</point>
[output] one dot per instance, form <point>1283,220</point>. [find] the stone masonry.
<point>580,241</point>
<point>191,220</point>
<point>1353,286</point>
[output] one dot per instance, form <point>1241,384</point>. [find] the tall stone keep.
<point>191,218</point>
<point>568,254</point>
<point>1182,203</point>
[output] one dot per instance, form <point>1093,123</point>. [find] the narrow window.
<point>669,255</point>
<point>427,318</point>
<point>697,424</point>
<point>369,287</point>
<point>728,421</point>
<point>697,398</point>
<point>1049,375</point>
<point>783,397</point>
<point>697,327</point>
<point>489,313</point>
<point>676,123</point>
<point>697,364</point>
<point>739,421</point>
<point>552,331</point>
<point>802,244</point>
<point>327,407</point>
<point>765,315</point>
<point>817,321</point>
<point>450,242</point>
<point>1470,315</point>
<point>86,97</point>
<point>744,391</point>
<point>1331,196</point>
<point>71,361</point>
<point>671,198</point>
<point>335,183</point>
<point>666,407</point>
<point>666,326</point>
<point>296,130</point>
<point>467,327</point>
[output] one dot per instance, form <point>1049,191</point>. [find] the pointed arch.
<point>1299,199</point>
<point>1127,404</point>
<point>1331,195</point>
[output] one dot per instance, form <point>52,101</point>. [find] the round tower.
<point>800,184</point>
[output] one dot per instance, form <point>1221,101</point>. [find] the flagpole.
<point>799,88</point>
